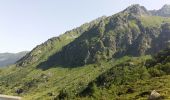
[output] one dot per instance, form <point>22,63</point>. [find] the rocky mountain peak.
<point>164,11</point>
<point>136,9</point>
<point>165,7</point>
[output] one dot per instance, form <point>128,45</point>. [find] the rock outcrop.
<point>154,96</point>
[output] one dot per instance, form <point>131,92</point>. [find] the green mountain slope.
<point>93,59</point>
<point>50,47</point>
<point>10,58</point>
<point>131,32</point>
<point>133,79</point>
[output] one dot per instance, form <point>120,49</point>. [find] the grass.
<point>38,84</point>
<point>141,90</point>
<point>154,21</point>
<point>160,84</point>
<point>134,89</point>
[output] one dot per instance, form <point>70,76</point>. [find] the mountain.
<point>133,32</point>
<point>55,44</point>
<point>10,58</point>
<point>164,11</point>
<point>109,52</point>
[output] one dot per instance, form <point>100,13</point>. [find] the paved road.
<point>6,97</point>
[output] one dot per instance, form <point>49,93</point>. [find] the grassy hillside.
<point>105,58</point>
<point>154,21</point>
<point>134,79</point>
<point>125,78</point>
<point>35,84</point>
<point>139,90</point>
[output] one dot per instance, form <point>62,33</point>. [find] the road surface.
<point>7,97</point>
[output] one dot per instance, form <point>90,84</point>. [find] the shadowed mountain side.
<point>133,31</point>
<point>64,58</point>
<point>42,52</point>
<point>113,37</point>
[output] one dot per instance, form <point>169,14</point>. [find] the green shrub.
<point>154,72</point>
<point>166,68</point>
<point>63,95</point>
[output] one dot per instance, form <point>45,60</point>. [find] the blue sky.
<point>27,23</point>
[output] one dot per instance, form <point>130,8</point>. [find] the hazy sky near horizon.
<point>27,23</point>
